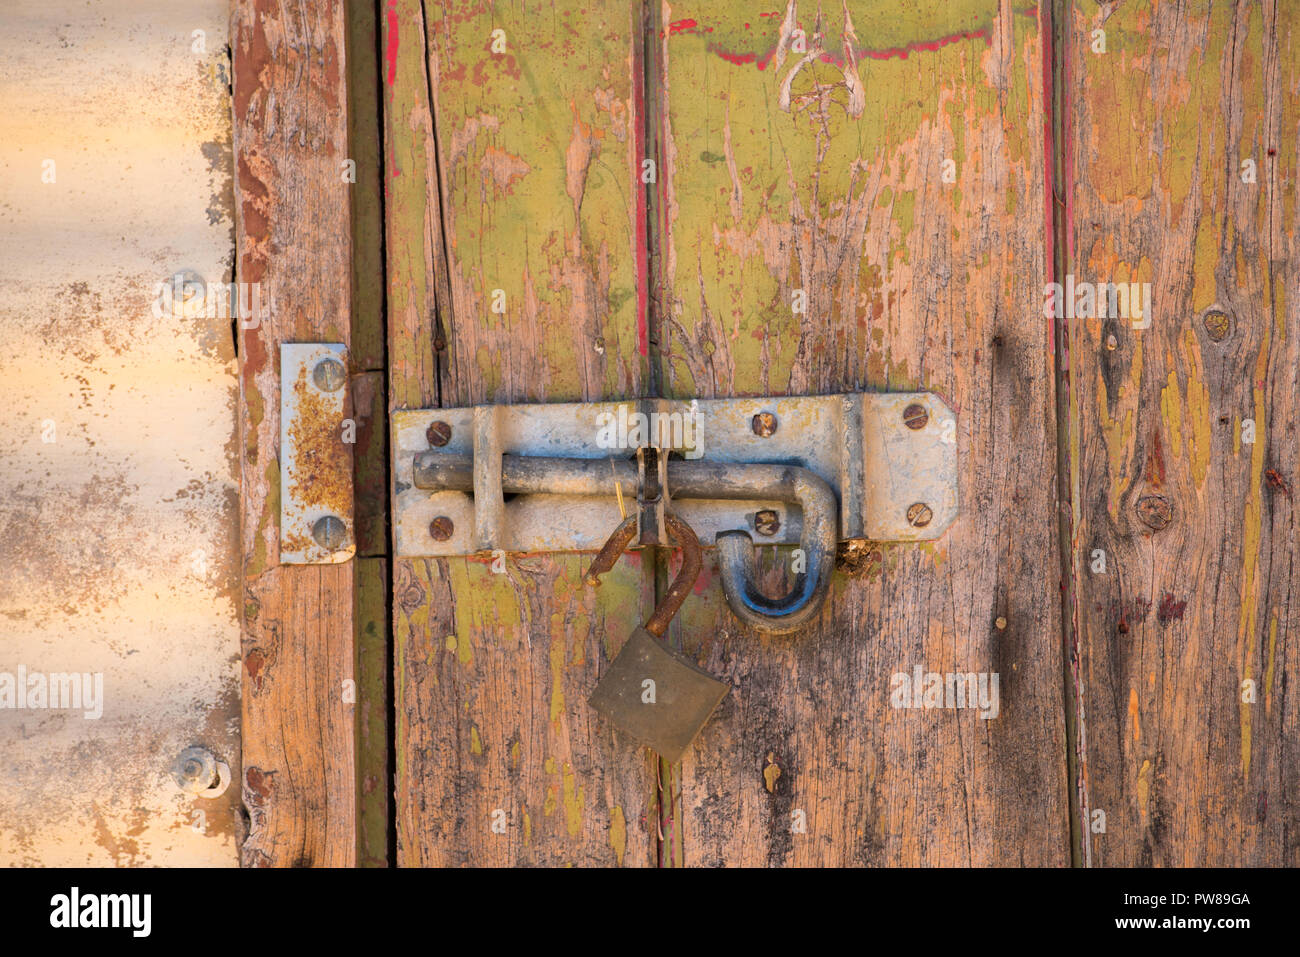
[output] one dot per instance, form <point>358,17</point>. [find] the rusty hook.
<point>686,540</point>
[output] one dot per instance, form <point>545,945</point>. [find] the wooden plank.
<point>531,191</point>
<point>1197,522</point>
<point>373,655</point>
<point>910,282</point>
<point>293,238</point>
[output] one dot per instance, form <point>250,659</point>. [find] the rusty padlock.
<point>656,695</point>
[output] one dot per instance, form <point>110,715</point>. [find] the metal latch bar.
<point>890,460</point>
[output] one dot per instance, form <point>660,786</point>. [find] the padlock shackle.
<point>692,561</point>
<point>786,483</point>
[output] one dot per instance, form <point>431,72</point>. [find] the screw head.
<point>915,416</point>
<point>1154,511</point>
<point>195,770</point>
<point>438,433</point>
<point>764,425</point>
<point>330,532</point>
<point>767,522</point>
<point>328,375</point>
<point>919,515</point>
<point>441,528</point>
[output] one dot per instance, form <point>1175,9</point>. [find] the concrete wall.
<point>118,469</point>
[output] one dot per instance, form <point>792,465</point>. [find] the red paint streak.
<point>639,191</point>
<point>740,59</point>
<point>1170,610</point>
<point>390,49</point>
<point>677,26</point>
<point>927,45</point>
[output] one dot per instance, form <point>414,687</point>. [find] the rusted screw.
<point>767,522</point>
<point>330,532</point>
<point>919,515</point>
<point>764,425</point>
<point>1155,511</point>
<point>915,416</point>
<point>1217,325</point>
<point>439,433</point>
<point>441,528</point>
<point>328,375</point>
<point>195,770</point>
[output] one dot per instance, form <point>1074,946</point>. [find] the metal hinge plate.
<point>890,458</point>
<point>315,460</point>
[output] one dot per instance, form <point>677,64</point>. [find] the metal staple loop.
<point>684,536</point>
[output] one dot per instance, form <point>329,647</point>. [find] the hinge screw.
<point>919,515</point>
<point>328,375</point>
<point>195,769</point>
<point>915,416</point>
<point>767,522</point>
<point>330,532</point>
<point>764,425</point>
<point>441,528</point>
<point>438,434</point>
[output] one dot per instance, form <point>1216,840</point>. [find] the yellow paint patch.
<point>771,772</point>
<point>557,668</point>
<point>617,833</point>
<point>573,802</point>
<point>1144,788</point>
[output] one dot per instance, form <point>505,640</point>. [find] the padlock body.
<point>667,714</point>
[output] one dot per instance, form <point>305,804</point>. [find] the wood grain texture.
<point>1185,771</point>
<point>373,662</point>
<point>911,282</point>
<point>520,179</point>
<point>294,239</point>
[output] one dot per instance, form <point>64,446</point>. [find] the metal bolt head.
<point>764,425</point>
<point>195,770</point>
<point>915,416</point>
<point>328,375</point>
<point>441,528</point>
<point>1154,511</point>
<point>1217,324</point>
<point>330,532</point>
<point>919,515</point>
<point>767,522</point>
<point>438,434</point>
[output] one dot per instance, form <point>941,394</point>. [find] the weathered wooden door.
<point>609,200</point>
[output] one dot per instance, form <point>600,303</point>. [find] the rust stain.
<point>321,472</point>
<point>1170,610</point>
